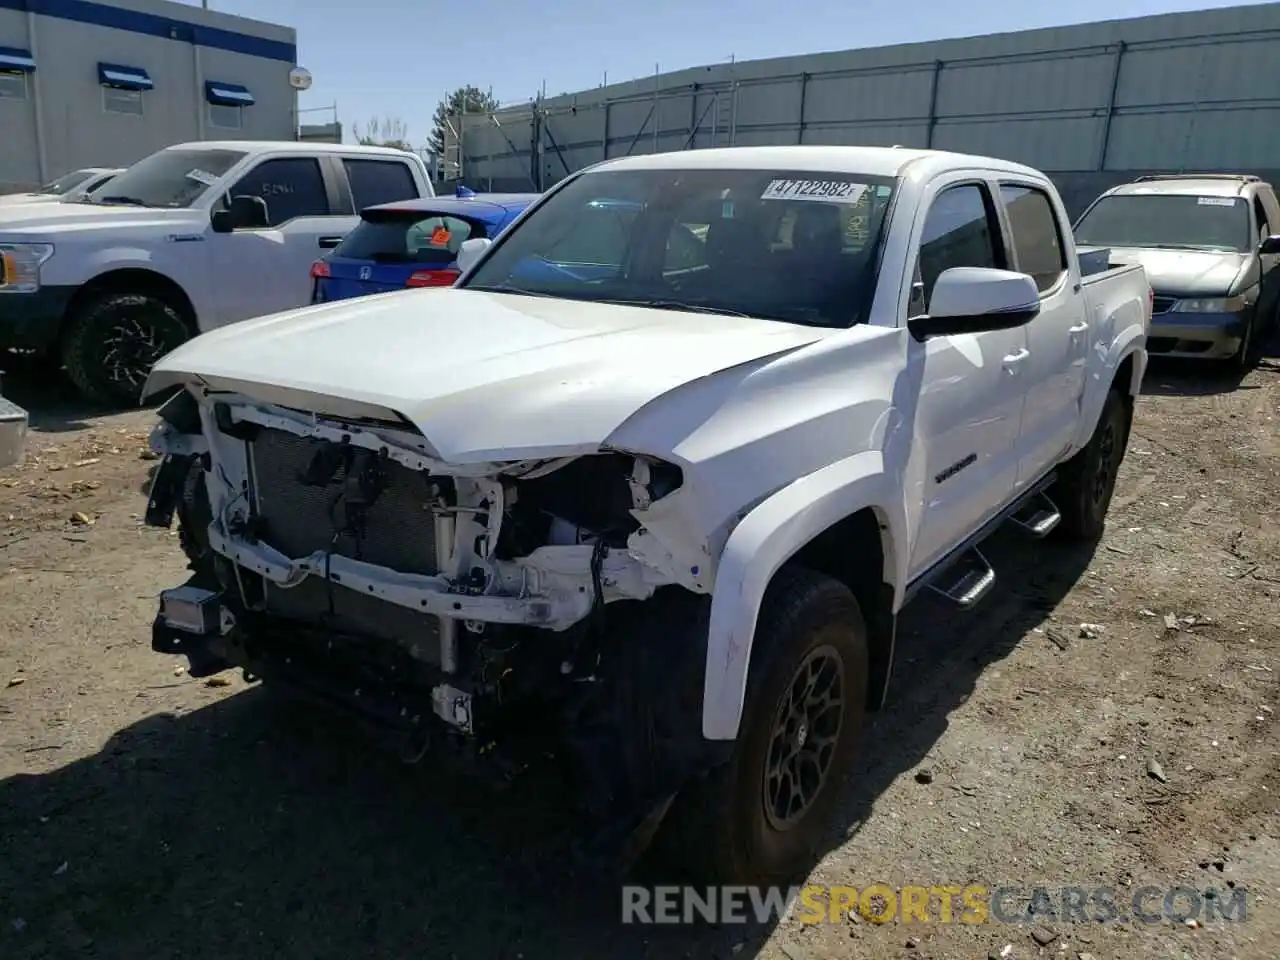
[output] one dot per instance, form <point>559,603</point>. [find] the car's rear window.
<point>408,237</point>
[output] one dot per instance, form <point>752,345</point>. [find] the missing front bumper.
<point>398,693</point>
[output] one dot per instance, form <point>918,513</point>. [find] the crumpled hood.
<point>1184,273</point>
<point>484,376</point>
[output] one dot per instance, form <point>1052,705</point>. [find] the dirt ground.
<point>146,814</point>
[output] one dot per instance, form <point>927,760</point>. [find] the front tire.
<point>1088,481</point>
<point>113,341</point>
<point>761,817</point>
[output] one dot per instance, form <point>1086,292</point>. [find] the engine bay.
<point>485,585</point>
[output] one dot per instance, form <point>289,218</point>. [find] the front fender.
<point>761,543</point>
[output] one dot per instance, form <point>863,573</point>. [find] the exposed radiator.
<point>397,531</point>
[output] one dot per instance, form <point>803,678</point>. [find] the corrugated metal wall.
<point>1181,91</point>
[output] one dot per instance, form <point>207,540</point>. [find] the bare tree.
<point>387,132</point>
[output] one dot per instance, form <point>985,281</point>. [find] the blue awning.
<point>227,94</point>
<point>124,78</point>
<point>11,58</point>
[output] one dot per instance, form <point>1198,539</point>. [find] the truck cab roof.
<point>291,146</point>
<point>873,161</point>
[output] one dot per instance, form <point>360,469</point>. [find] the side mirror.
<point>1270,246</point>
<point>976,300</point>
<point>471,251</point>
<point>245,213</point>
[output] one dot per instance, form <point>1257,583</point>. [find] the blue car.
<point>411,243</point>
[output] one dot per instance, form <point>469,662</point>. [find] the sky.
<point>396,58</point>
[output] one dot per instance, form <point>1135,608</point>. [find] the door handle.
<point>328,243</point>
<point>1079,328</point>
<point>1012,360</point>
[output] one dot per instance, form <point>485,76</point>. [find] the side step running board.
<point>1038,516</point>
<point>966,581</point>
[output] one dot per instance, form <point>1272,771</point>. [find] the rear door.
<point>395,249</point>
<point>1058,337</point>
<point>262,271</point>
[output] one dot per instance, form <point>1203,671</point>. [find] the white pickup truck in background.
<point>657,497</point>
<point>193,237</point>
<point>70,186</point>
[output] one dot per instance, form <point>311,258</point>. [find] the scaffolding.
<point>326,130</point>
<point>538,143</point>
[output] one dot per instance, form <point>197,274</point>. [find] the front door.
<point>266,270</point>
<point>1057,338</point>
<point>969,406</point>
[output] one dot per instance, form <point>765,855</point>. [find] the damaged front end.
<point>486,603</point>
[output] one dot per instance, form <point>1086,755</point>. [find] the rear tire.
<point>761,817</point>
<point>113,341</point>
<point>1088,481</point>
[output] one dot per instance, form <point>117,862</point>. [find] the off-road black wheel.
<point>113,341</point>
<point>761,817</point>
<point>1083,492</point>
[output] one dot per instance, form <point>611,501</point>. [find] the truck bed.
<point>1093,260</point>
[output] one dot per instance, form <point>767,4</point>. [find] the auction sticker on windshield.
<point>830,191</point>
<point>199,176</point>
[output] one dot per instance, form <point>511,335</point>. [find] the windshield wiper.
<point>660,304</point>
<point>1152,245</point>
<point>510,288</point>
<point>121,201</point>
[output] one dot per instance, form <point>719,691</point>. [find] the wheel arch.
<point>1125,367</point>
<point>847,521</point>
<point>138,281</point>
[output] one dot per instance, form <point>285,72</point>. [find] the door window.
<point>1037,243</point>
<point>291,187</point>
<point>379,181</point>
<point>959,231</point>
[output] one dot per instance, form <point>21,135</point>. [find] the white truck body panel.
<point>780,429</point>
<point>227,277</point>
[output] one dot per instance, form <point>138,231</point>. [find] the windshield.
<point>776,244</point>
<point>65,183</point>
<point>403,237</point>
<point>169,178</point>
<point>1172,221</point>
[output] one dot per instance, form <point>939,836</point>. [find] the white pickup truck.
<point>658,493</point>
<point>70,186</point>
<point>193,237</point>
